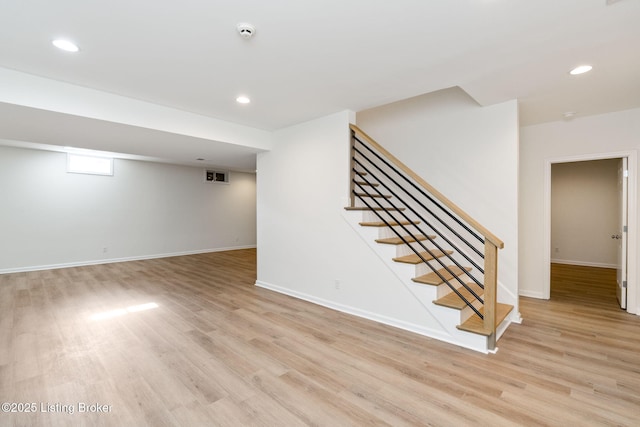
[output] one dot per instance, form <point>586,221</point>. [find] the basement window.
<point>216,176</point>
<point>77,163</point>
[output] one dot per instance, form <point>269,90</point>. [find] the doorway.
<point>578,247</point>
<point>585,216</point>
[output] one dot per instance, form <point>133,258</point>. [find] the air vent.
<point>216,176</point>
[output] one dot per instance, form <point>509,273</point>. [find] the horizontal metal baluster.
<point>444,280</point>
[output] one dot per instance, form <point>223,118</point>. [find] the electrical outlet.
<point>336,284</point>
<point>105,250</point>
<point>557,250</point>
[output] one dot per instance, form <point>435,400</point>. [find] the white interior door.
<point>622,233</point>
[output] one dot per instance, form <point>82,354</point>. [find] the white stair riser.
<point>372,203</point>
<point>422,269</point>
<point>405,249</point>
<point>467,312</point>
<point>444,290</point>
<point>386,232</point>
<point>369,216</point>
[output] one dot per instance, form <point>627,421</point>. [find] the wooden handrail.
<point>438,195</point>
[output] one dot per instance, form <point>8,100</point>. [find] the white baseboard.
<point>531,294</point>
<point>583,263</point>
<point>114,260</point>
<point>396,323</point>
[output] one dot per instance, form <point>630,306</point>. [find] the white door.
<point>622,233</point>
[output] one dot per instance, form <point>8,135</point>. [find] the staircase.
<point>442,255</point>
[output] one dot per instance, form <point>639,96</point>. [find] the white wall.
<point>467,152</point>
<point>305,244</point>
<point>539,144</point>
<point>585,212</point>
<point>49,217</point>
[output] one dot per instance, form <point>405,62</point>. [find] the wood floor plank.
<point>218,350</point>
<point>227,412</point>
<point>264,411</point>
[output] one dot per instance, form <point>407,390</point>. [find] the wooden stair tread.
<point>391,223</point>
<point>474,323</point>
<point>367,184</point>
<point>364,208</point>
<point>399,241</point>
<point>415,259</point>
<point>433,279</point>
<point>452,300</point>
<point>383,196</point>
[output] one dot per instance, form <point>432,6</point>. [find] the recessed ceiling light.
<point>580,70</point>
<point>569,114</point>
<point>65,45</point>
<point>243,99</point>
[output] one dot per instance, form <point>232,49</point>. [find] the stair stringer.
<point>446,319</point>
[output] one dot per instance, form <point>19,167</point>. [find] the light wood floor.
<point>219,351</point>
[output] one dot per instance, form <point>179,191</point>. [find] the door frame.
<point>623,243</point>
<point>632,285</point>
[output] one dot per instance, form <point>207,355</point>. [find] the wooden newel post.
<point>490,291</point>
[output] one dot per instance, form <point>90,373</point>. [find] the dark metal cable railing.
<point>408,206</point>
<point>444,252</point>
<point>431,199</point>
<point>415,212</point>
<point>419,202</point>
<point>432,241</point>
<point>435,257</point>
<point>413,197</point>
<point>414,237</point>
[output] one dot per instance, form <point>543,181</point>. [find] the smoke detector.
<point>246,30</point>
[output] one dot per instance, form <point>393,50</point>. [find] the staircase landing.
<point>474,323</point>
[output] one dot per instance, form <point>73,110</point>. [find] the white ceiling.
<point>310,58</point>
